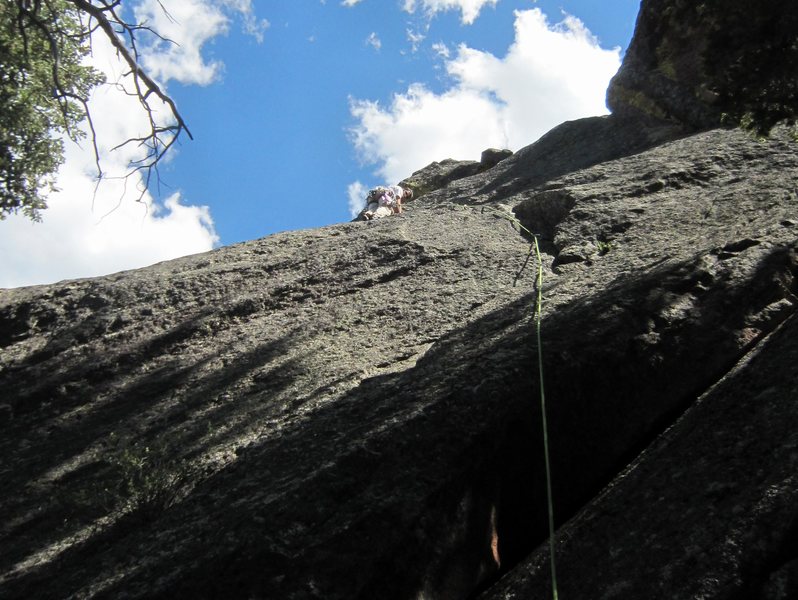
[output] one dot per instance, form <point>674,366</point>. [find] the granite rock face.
<point>352,412</point>
<point>699,63</point>
<point>438,175</point>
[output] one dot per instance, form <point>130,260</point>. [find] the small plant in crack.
<point>145,480</point>
<point>603,247</point>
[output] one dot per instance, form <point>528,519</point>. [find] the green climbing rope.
<point>538,315</point>
<point>549,496</point>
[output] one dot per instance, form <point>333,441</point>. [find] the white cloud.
<point>441,50</point>
<point>550,74</point>
<point>421,127</point>
<point>252,25</point>
<point>415,38</point>
<point>192,24</point>
<point>349,2</point>
<point>469,8</point>
<point>357,197</point>
<point>76,241</point>
<point>86,234</point>
<point>373,40</point>
<point>187,26</point>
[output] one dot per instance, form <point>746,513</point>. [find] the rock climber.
<point>383,201</point>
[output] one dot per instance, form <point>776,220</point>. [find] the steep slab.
<point>351,412</point>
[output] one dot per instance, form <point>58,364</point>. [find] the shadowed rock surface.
<point>707,511</point>
<point>351,412</point>
<point>703,63</point>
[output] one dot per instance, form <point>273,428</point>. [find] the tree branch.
<point>138,73</point>
<point>39,21</point>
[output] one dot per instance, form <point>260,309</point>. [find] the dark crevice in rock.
<point>543,211</point>
<point>667,500</point>
<point>739,246</point>
<point>775,279</point>
<point>525,530</point>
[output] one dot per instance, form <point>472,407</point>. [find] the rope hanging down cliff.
<point>535,248</point>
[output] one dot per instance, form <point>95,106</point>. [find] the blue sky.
<point>299,106</point>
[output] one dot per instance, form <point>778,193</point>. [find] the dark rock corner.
<point>352,412</point>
